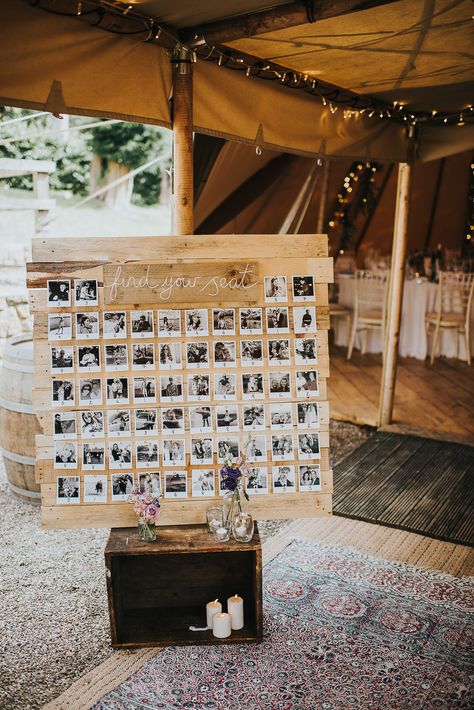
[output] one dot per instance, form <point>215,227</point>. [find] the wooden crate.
<point>157,590</point>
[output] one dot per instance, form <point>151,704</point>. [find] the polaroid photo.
<point>309,477</point>
<point>252,385</point>
<point>304,319</point>
<point>253,417</point>
<point>116,357</point>
<point>146,422</point>
<point>65,454</point>
<point>202,451</point>
<point>303,288</point>
<point>171,388</point>
<point>283,479</point>
<point>203,484</point>
<point>308,415</point>
<point>150,483</point>
<point>306,352</point>
<point>282,447</point>
<point>197,355</point>
<point>144,389</point>
<point>143,356</point>
<point>200,419</point>
<point>169,324</point>
<point>281,415</point>
<point>257,481</point>
<point>62,393</point>
<point>59,326</point>
<point>172,419</point>
<point>95,488</point>
<point>118,422</point>
<point>280,384</point>
<point>146,454</point>
<point>68,489</point>
<point>279,352</point>
<point>276,290</point>
<point>174,452</point>
<point>59,293</point>
<point>117,390</point>
<point>255,448</point>
<point>62,359</point>
<point>227,417</point>
<point>91,424</point>
<point>176,484</point>
<point>196,322</point>
<point>88,358</point>
<point>90,391</point>
<point>308,446</point>
<point>251,321</point>
<point>120,454</point>
<point>87,325</point>
<point>115,325</point>
<point>64,425</point>
<point>93,456</point>
<point>86,292</point>
<point>169,356</point>
<point>228,448</point>
<point>307,384</point>
<point>122,486</point>
<point>225,386</point>
<point>199,388</point>
<point>223,321</point>
<point>142,324</point>
<point>251,353</point>
<point>224,353</point>
<point>277,320</point>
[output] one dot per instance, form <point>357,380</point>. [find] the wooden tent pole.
<point>183,179</point>
<point>324,198</point>
<point>395,296</point>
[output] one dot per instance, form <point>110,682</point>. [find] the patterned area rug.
<point>343,630</point>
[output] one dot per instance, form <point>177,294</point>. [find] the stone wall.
<point>14,309</point>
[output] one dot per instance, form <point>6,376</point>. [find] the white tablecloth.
<point>419,297</point>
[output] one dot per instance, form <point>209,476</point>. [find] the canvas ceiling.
<point>63,65</point>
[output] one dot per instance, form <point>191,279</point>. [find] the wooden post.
<point>395,295</point>
<point>324,198</point>
<point>183,180</point>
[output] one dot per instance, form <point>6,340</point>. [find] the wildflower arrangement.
<point>147,508</point>
<point>234,476</point>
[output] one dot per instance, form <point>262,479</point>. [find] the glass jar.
<point>146,531</point>
<point>223,533</point>
<point>214,518</point>
<point>243,527</point>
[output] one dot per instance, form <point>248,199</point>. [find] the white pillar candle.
<point>212,608</point>
<point>235,607</point>
<point>221,625</point>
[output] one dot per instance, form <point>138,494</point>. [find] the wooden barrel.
<point>17,420</point>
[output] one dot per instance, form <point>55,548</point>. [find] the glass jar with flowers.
<point>147,509</point>
<point>234,476</point>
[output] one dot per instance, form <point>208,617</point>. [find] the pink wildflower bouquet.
<point>147,509</point>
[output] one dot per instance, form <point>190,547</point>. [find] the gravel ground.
<point>53,603</point>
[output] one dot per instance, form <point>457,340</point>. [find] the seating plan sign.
<point>157,356</point>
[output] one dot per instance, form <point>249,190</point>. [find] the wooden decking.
<point>434,401</point>
<point>410,483</point>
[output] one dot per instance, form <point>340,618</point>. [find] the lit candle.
<point>222,534</point>
<point>212,608</point>
<point>241,531</point>
<point>221,625</point>
<point>235,607</point>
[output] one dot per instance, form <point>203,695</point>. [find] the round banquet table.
<point>419,297</point>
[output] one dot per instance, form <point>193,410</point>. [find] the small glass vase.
<point>213,518</point>
<point>146,531</point>
<point>223,533</point>
<point>232,505</point>
<point>242,527</point>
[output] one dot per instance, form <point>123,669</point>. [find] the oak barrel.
<point>17,420</point>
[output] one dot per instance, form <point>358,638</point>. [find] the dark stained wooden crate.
<point>157,590</point>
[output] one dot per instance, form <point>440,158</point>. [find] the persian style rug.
<point>343,630</point>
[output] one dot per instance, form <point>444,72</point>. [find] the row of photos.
<point>174,484</point>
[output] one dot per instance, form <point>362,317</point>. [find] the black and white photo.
<point>309,477</point>
<point>283,479</point>
<point>146,454</point>
<point>304,319</point>
<point>308,446</point>
<point>303,288</point>
<point>91,423</point>
<point>172,419</point>
<point>305,351</point>
<point>95,488</point>
<point>225,386</point>
<point>276,290</point>
<point>174,452</point>
<point>308,415</point>
<point>223,321</point>
<point>196,322</point>
<point>307,384</point>
<point>201,450</point>
<point>120,454</point>
<point>64,425</point>
<point>65,454</point>
<point>146,422</point>
<point>62,393</point>
<point>255,448</point>
<point>68,490</point>
<point>171,388</point>
<point>115,325</point>
<point>200,419</point>
<point>93,456</point>
<point>227,417</point>
<point>175,484</point>
<point>197,355</point>
<point>277,320</point>
<point>251,321</point>
<point>150,483</point>
<point>116,357</point>
<point>251,353</point>
<point>85,292</point>
<point>253,417</point>
<point>228,447</point>
<point>279,351</point>
<point>122,486</point>
<point>169,356</point>
<point>88,358</point>
<point>117,390</point>
<point>224,353</point>
<point>142,325</point>
<point>118,422</point>
<point>252,385</point>
<point>203,485</point>
<point>62,359</point>
<point>280,384</point>
<point>59,326</point>
<point>59,293</point>
<point>281,415</point>
<point>144,389</point>
<point>257,481</point>
<point>198,388</point>
<point>169,323</point>
<point>143,356</point>
<point>282,447</point>
<point>87,325</point>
